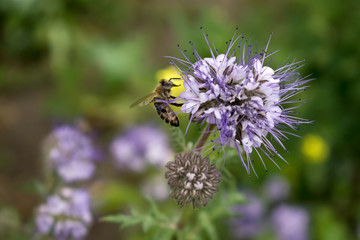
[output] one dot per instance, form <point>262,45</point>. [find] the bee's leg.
<point>177,104</point>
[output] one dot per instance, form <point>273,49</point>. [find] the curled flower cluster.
<point>192,179</point>
<point>72,154</point>
<point>65,215</point>
<point>140,145</point>
<point>242,96</point>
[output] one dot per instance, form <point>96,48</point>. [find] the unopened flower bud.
<point>192,179</point>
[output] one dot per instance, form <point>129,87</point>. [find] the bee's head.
<point>168,83</point>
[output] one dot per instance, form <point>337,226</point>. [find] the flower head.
<point>242,96</point>
<point>248,225</point>
<point>140,145</point>
<point>291,222</point>
<point>277,189</point>
<point>72,153</point>
<point>192,179</point>
<point>65,215</point>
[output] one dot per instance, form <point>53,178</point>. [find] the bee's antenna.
<point>175,79</point>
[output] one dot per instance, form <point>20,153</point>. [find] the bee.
<point>161,97</point>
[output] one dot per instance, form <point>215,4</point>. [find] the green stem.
<point>203,138</point>
<point>185,217</point>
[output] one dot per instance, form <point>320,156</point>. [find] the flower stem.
<point>203,137</point>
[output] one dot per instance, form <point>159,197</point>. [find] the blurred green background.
<point>64,59</point>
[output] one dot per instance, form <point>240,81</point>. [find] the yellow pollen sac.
<point>315,149</point>
<point>168,73</point>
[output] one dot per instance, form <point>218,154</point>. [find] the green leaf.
<point>207,225</point>
<point>148,223</point>
<point>151,221</point>
<point>125,220</point>
<point>164,234</point>
<point>155,211</point>
<point>188,233</point>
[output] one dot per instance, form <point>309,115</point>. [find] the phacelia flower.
<point>72,153</point>
<point>248,224</point>
<point>277,189</point>
<point>291,222</point>
<point>139,146</point>
<point>65,215</point>
<point>192,179</point>
<point>242,96</point>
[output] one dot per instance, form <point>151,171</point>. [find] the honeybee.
<point>160,97</point>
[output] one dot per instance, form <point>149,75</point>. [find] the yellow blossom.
<point>315,148</point>
<point>168,73</point>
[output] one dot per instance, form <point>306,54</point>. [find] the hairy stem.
<point>203,138</point>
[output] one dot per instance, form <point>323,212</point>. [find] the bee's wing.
<point>144,100</point>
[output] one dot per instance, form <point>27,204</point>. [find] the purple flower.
<point>141,145</point>
<point>277,189</point>
<point>72,154</point>
<point>242,96</point>
<point>291,222</point>
<point>65,215</point>
<point>248,224</point>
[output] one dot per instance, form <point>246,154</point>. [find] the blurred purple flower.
<point>248,224</point>
<point>291,222</point>
<point>72,154</point>
<point>242,96</point>
<point>65,215</point>
<point>140,146</point>
<point>156,188</point>
<point>277,189</point>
